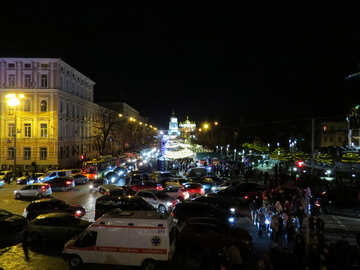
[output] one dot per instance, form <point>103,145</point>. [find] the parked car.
<point>80,179</point>
<point>241,193</point>
<point>179,193</point>
<point>172,182</point>
<point>111,177</point>
<point>146,185</point>
<point>197,172</point>
<point>205,232</point>
<point>53,205</point>
<point>95,184</point>
<point>55,174</point>
<point>186,210</point>
<point>219,202</point>
<point>107,203</point>
<point>113,190</point>
<point>194,189</point>
<point>36,190</point>
<point>29,179</point>
<point>121,171</point>
<point>159,200</point>
<point>5,175</point>
<point>55,229</point>
<point>61,183</point>
<point>10,225</point>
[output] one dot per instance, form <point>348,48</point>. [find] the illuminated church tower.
<point>173,126</point>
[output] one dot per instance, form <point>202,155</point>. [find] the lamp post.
<point>13,101</point>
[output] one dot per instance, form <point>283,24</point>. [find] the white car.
<point>159,200</point>
<point>36,190</point>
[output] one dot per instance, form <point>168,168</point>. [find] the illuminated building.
<point>53,119</point>
<point>187,127</point>
<point>173,126</point>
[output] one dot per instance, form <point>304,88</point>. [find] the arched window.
<point>43,106</point>
<point>27,105</point>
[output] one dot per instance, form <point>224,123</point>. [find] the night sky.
<point>215,63</point>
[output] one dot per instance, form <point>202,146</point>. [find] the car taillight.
<point>43,188</point>
<point>68,182</point>
<point>202,191</point>
<point>78,213</point>
<point>158,187</point>
<point>246,197</point>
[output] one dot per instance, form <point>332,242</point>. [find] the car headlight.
<point>169,204</point>
<point>91,186</point>
<point>231,219</point>
<point>213,188</point>
<point>232,210</point>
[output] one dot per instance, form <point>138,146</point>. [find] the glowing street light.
<point>120,115</point>
<point>206,126</point>
<point>200,129</point>
<point>216,123</point>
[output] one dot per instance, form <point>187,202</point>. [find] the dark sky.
<point>208,63</point>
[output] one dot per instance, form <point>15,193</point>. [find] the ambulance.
<point>131,238</point>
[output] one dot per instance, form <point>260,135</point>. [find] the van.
<point>131,238</point>
<point>55,174</point>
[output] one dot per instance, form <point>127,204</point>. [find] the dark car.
<point>219,202</point>
<point>113,190</point>
<point>107,203</point>
<point>61,183</point>
<point>45,206</point>
<point>142,185</point>
<point>211,233</point>
<point>121,171</point>
<point>240,193</point>
<point>10,225</point>
<point>345,202</point>
<point>186,210</point>
<point>55,229</point>
<point>111,177</point>
<point>80,179</point>
<point>207,183</point>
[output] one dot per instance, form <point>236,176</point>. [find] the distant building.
<point>187,128</point>
<point>125,109</point>
<point>173,131</point>
<point>333,133</point>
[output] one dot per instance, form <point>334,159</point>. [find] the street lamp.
<point>206,126</point>
<point>216,123</point>
<point>13,101</point>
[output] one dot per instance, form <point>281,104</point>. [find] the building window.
<point>44,81</point>
<point>44,66</point>
<point>43,106</point>
<point>27,153</point>
<point>11,153</point>
<point>11,66</point>
<point>27,65</point>
<point>27,105</point>
<point>43,130</point>
<point>27,81</point>
<point>27,128</point>
<point>11,81</point>
<point>11,130</point>
<point>43,153</point>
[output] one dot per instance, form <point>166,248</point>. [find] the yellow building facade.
<point>53,118</point>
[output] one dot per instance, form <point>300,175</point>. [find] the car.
<point>113,190</point>
<point>207,183</point>
<point>5,175</point>
<point>108,203</point>
<point>344,203</point>
<point>80,179</point>
<point>219,202</point>
<point>121,171</point>
<point>95,184</point>
<point>194,189</point>
<point>171,183</point>
<point>111,177</point>
<point>221,186</point>
<point>55,174</point>
<point>144,185</point>
<point>205,232</point>
<point>52,205</point>
<point>76,171</point>
<point>197,172</point>
<point>241,193</point>
<point>159,200</point>
<point>176,192</point>
<point>29,179</point>
<point>36,190</point>
<point>2,183</point>
<point>186,210</point>
<point>10,226</point>
<point>54,229</point>
<point>61,183</point>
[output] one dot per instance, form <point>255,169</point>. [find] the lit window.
<point>11,81</point>
<point>43,106</point>
<point>43,130</point>
<point>27,105</point>
<point>44,81</point>
<point>11,153</point>
<point>27,153</point>
<point>27,128</point>
<point>11,130</point>
<point>43,153</point>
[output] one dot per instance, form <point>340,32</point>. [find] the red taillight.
<point>159,188</point>
<point>78,213</point>
<point>246,197</point>
<point>68,182</point>
<point>43,188</point>
<point>323,193</point>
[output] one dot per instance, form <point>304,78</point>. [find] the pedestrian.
<point>25,244</point>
